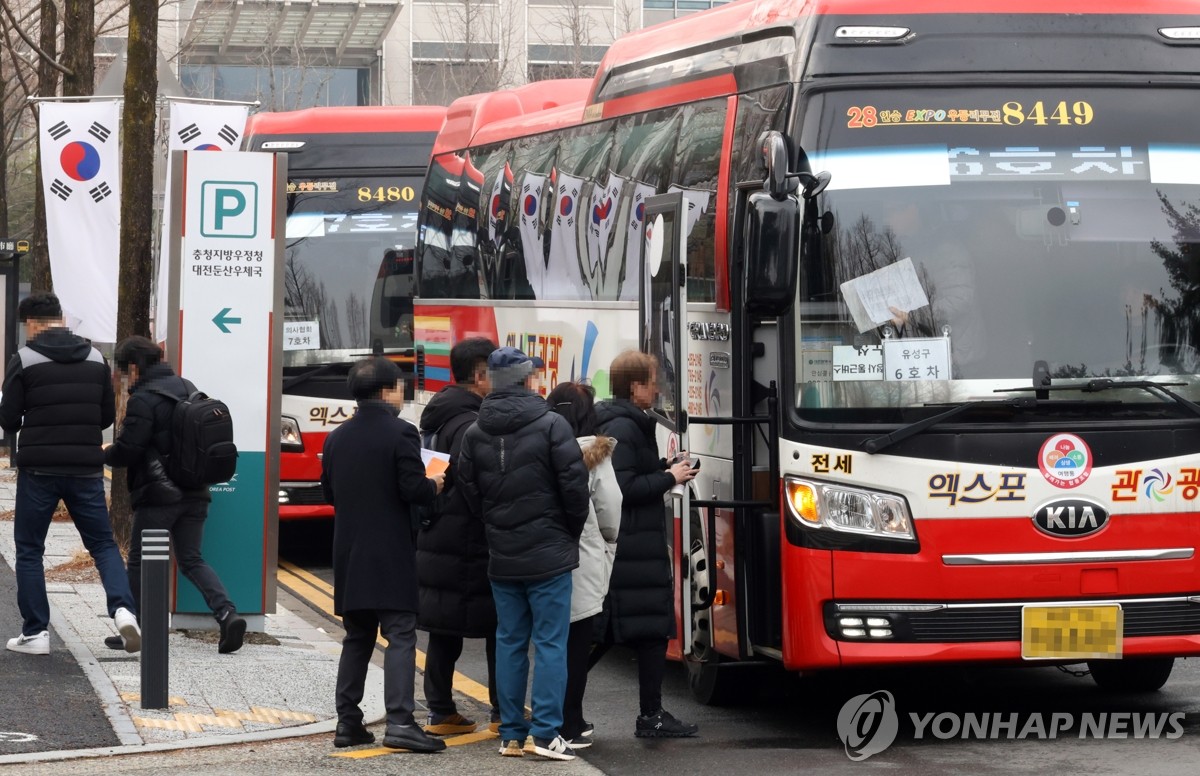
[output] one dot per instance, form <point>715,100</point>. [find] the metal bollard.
<point>156,590</point>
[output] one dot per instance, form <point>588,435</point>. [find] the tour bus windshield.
<point>973,237</point>
<point>348,277</point>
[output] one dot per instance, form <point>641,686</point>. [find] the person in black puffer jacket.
<point>640,608</point>
<point>522,470</point>
<point>455,595</point>
<point>58,395</point>
<point>141,445</point>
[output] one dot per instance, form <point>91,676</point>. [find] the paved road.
<point>789,724</point>
<point>46,702</point>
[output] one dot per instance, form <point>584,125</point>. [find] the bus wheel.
<point>712,683</point>
<point>1132,674</point>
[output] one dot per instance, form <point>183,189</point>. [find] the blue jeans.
<point>37,498</point>
<point>540,611</point>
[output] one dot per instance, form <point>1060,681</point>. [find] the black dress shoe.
<point>412,738</point>
<point>352,734</point>
<point>114,642</point>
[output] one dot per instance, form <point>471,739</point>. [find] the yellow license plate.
<point>1071,632</point>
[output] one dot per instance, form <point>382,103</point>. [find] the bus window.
<point>936,229</point>
<point>392,301</point>
<point>338,228</point>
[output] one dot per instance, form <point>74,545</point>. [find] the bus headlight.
<point>852,510</point>
<point>290,440</point>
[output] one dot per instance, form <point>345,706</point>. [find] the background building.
<point>299,53</point>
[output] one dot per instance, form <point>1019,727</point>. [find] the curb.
<point>132,743</point>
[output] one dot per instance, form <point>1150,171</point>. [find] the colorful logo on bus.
<point>1065,461</point>
<point>1158,485</point>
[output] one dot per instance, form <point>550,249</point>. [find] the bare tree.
<point>575,39</point>
<point>39,253</point>
<point>477,50</point>
<point>137,195</point>
<point>79,47</point>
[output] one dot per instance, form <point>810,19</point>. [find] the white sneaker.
<point>38,644</point>
<point>127,626</point>
<point>555,749</point>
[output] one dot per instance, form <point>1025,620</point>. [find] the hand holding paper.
<point>874,298</point>
<point>435,462</point>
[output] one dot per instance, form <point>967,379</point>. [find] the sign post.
<point>226,244</point>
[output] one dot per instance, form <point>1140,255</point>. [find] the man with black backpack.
<point>148,440</point>
<point>455,595</point>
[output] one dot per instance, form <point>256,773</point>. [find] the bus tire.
<point>712,683</point>
<point>1146,674</point>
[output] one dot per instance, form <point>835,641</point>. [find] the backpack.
<point>429,513</point>
<point>202,451</point>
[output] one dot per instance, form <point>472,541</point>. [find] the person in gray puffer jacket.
<point>521,470</point>
<point>597,547</point>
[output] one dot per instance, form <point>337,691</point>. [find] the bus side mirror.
<point>772,253</point>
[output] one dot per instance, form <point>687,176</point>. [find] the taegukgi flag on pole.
<point>529,200</point>
<point>81,176</point>
<point>564,279</point>
<point>194,127</point>
<point>633,250</point>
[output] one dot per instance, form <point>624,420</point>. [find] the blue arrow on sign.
<point>223,320</point>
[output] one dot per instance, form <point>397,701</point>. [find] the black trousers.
<point>399,663</point>
<point>441,655</point>
<point>185,521</point>
<point>579,647</point>
<point>652,667</point>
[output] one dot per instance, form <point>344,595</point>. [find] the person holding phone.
<point>640,610</point>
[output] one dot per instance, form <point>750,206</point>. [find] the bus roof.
<point>750,44</point>
<point>356,118</point>
<point>512,113</point>
<point>753,33</point>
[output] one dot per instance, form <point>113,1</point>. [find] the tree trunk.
<point>137,199</point>
<point>3,165</point>
<point>39,251</point>
<point>79,47</point>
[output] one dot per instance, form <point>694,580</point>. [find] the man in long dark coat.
<point>371,472</point>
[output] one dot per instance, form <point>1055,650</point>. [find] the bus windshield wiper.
<point>1107,383</point>
<point>876,444</point>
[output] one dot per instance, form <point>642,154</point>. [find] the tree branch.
<point>29,41</point>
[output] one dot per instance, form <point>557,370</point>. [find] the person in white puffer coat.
<point>597,547</point>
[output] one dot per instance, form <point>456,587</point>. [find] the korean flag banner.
<point>194,127</point>
<point>81,177</point>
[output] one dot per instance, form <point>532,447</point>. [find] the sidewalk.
<point>278,684</point>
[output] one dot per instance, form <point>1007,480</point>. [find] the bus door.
<point>662,327</point>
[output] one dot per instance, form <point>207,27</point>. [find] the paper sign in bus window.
<point>872,297</point>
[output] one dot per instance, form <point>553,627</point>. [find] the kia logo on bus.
<point>1070,518</point>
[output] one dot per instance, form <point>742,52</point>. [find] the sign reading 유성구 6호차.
<point>226,242</point>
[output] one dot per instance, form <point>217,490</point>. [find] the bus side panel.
<point>807,582</point>
<point>437,327</point>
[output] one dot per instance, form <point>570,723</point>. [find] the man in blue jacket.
<point>521,469</point>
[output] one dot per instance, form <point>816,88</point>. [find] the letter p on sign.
<point>229,209</point>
